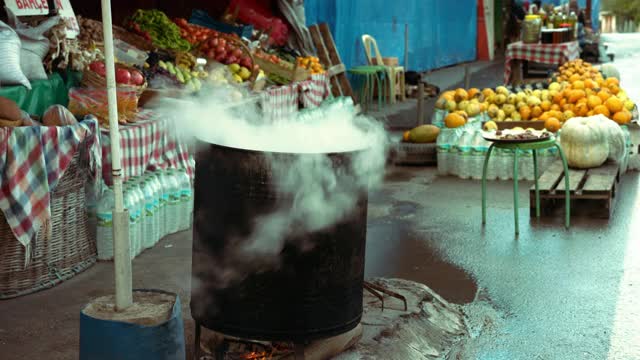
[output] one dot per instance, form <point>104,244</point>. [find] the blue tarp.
<point>441,33</point>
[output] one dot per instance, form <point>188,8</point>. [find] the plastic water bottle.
<point>479,149</point>
<point>150,227</point>
<point>164,202</point>
<point>140,208</point>
<point>174,201</point>
<point>186,199</point>
<point>158,210</point>
<point>504,160</point>
<point>130,205</point>
<point>454,160</point>
<point>442,147</point>
<point>464,154</point>
<point>104,229</point>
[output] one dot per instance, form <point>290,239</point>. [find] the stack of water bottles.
<point>461,152</point>
<point>159,203</point>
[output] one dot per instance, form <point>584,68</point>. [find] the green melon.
<point>424,134</point>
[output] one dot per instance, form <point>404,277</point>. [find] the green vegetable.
<point>164,32</point>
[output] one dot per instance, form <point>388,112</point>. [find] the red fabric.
<point>259,14</point>
<point>556,54</point>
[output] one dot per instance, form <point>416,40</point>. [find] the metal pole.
<point>406,47</point>
<point>421,103</point>
<point>121,256</point>
<point>467,77</point>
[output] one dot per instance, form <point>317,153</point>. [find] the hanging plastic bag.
<point>58,115</point>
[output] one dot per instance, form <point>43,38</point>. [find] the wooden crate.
<point>593,191</point>
<point>295,75</point>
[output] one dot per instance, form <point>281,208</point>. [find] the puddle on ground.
<point>395,250</point>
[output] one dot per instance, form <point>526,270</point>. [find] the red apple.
<point>231,60</point>
<point>137,78</point>
<point>237,53</point>
<point>123,76</point>
<point>220,49</point>
<point>220,58</point>
<point>246,62</point>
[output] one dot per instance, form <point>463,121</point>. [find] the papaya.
<point>424,134</point>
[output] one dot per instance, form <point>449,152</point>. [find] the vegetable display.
<point>163,32</point>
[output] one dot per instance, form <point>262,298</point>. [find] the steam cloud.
<point>312,180</point>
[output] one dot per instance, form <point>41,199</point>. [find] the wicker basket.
<point>92,80</point>
<point>68,251</point>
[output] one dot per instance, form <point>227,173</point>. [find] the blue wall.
<point>441,33</point>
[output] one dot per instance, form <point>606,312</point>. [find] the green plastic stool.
<point>371,74</point>
<point>534,147</point>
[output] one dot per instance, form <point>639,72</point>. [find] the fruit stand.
<point>157,57</point>
<point>587,113</point>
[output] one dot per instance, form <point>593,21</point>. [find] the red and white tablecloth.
<point>541,53</point>
<point>146,145</point>
<point>284,101</point>
<point>32,161</point>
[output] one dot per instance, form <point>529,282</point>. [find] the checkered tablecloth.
<point>284,101</point>
<point>32,161</point>
<point>146,145</point>
<point>541,53</point>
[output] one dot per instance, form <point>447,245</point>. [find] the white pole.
<point>121,257</point>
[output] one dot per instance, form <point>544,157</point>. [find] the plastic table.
<point>528,146</point>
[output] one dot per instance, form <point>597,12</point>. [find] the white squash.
<point>615,135</point>
<point>584,142</point>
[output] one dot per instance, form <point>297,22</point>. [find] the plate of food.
<point>517,136</point>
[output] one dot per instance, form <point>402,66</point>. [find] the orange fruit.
<point>558,97</point>
<point>567,115</point>
<point>589,84</point>
<point>473,92</point>
<point>581,109</point>
<point>574,77</point>
<point>614,104</point>
<point>552,124</point>
<point>590,113</point>
<point>615,89</point>
<point>576,95</point>
<point>558,106</point>
<point>525,113</point>
<point>545,105</point>
<point>612,81</point>
<point>604,94</point>
<point>567,107</point>
<point>594,101</point>
<point>545,116</point>
<point>602,109</point>
<point>536,111</point>
<point>454,120</point>
<point>622,117</point>
<point>578,85</point>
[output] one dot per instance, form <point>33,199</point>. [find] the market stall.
<point>157,57</point>
<point>577,109</point>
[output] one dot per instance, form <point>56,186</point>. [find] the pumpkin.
<point>585,142</point>
<point>616,139</point>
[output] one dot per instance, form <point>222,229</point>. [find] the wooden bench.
<point>593,191</point>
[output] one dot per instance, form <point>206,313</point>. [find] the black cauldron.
<point>311,289</point>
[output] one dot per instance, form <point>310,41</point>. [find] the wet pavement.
<point>562,294</point>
